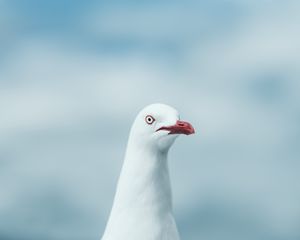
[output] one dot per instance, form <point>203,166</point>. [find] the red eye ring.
<point>149,119</point>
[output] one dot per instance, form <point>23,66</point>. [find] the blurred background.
<point>74,74</point>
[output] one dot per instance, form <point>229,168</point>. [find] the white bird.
<point>142,208</point>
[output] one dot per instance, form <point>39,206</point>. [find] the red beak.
<point>180,127</point>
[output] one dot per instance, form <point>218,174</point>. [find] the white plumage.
<point>142,208</point>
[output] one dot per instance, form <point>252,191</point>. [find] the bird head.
<point>157,126</point>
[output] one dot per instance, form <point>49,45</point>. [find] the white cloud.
<point>239,147</point>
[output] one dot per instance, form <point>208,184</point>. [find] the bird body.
<point>142,208</point>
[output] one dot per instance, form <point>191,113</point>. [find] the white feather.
<point>142,208</point>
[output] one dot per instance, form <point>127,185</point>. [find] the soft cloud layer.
<point>68,97</point>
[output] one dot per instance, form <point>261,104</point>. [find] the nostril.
<point>181,124</point>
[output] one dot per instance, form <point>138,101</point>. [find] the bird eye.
<point>149,119</point>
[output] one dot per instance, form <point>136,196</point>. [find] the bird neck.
<point>144,182</point>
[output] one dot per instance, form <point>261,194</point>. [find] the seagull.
<point>142,208</point>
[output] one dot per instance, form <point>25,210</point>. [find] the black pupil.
<point>149,119</point>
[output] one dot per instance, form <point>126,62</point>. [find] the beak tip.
<point>191,132</point>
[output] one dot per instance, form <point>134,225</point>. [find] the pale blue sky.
<point>73,75</point>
